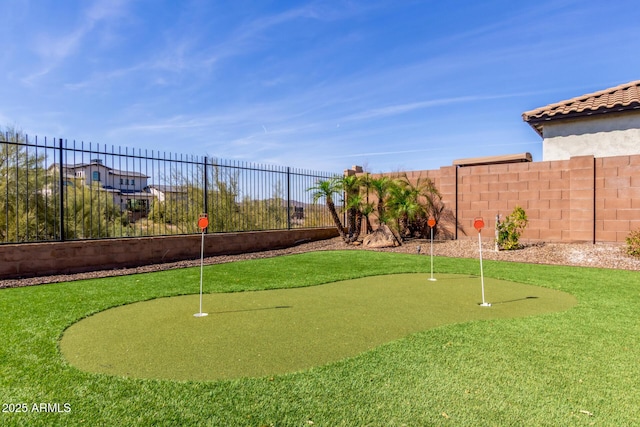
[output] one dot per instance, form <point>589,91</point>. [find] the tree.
<point>223,207</point>
<point>380,187</point>
<point>351,185</point>
<point>403,205</point>
<point>90,213</point>
<point>429,198</point>
<point>326,189</point>
<point>408,204</point>
<point>26,212</point>
<point>366,209</point>
<point>355,208</point>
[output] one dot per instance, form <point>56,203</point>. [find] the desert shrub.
<point>511,228</point>
<point>633,243</point>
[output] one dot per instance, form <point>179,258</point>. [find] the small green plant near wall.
<point>633,243</point>
<point>510,230</point>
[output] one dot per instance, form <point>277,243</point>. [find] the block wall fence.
<point>583,199</point>
<point>49,258</point>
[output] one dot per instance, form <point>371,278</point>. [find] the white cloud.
<point>54,49</point>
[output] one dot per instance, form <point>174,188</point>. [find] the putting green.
<point>249,334</point>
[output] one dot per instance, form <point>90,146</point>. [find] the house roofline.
<point>538,123</point>
<point>624,97</point>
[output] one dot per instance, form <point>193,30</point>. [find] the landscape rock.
<point>383,237</point>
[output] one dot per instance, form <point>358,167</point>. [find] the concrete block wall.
<point>583,199</point>
<point>581,227</point>
<point>50,258</point>
<point>617,190</point>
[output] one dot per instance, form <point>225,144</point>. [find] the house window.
<point>95,176</point>
<point>133,182</point>
<point>121,181</point>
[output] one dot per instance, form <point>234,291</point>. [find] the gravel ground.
<point>582,254</point>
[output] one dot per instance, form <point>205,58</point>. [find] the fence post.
<point>61,192</point>
<point>288,198</point>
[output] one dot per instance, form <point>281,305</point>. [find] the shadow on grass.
<point>514,300</point>
<point>252,309</point>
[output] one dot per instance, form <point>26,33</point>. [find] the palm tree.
<point>380,187</point>
<point>429,193</point>
<point>403,205</point>
<point>351,186</point>
<point>360,210</point>
<point>431,201</point>
<point>326,189</point>
<point>367,209</point>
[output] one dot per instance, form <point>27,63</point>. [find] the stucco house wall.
<point>602,124</point>
<point>613,134</point>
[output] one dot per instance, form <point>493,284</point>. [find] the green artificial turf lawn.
<point>578,367</point>
<point>280,331</point>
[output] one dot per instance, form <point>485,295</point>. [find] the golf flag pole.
<point>478,224</point>
<point>203,223</point>
<point>431,223</point>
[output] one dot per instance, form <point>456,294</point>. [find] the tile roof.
<point>618,98</point>
<point>109,170</point>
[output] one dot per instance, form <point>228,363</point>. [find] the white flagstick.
<point>478,224</point>
<point>202,223</point>
<point>431,222</point>
<point>433,279</point>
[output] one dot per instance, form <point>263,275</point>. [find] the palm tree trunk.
<point>336,219</point>
<point>403,225</point>
<point>357,227</point>
<point>381,213</point>
<point>351,216</point>
<point>369,228</point>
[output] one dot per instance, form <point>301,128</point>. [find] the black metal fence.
<point>54,190</point>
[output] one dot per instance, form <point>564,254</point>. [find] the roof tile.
<point>622,97</point>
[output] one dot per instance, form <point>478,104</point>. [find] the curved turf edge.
<point>261,333</point>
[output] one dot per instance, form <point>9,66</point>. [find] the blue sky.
<point>322,85</point>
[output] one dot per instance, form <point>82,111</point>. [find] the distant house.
<point>163,192</point>
<point>604,123</point>
<point>129,189</point>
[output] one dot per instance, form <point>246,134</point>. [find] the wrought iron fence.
<point>54,190</point>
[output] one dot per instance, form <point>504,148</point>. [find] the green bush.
<point>511,228</point>
<point>633,243</point>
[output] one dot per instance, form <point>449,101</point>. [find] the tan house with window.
<point>129,189</point>
<point>603,124</point>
